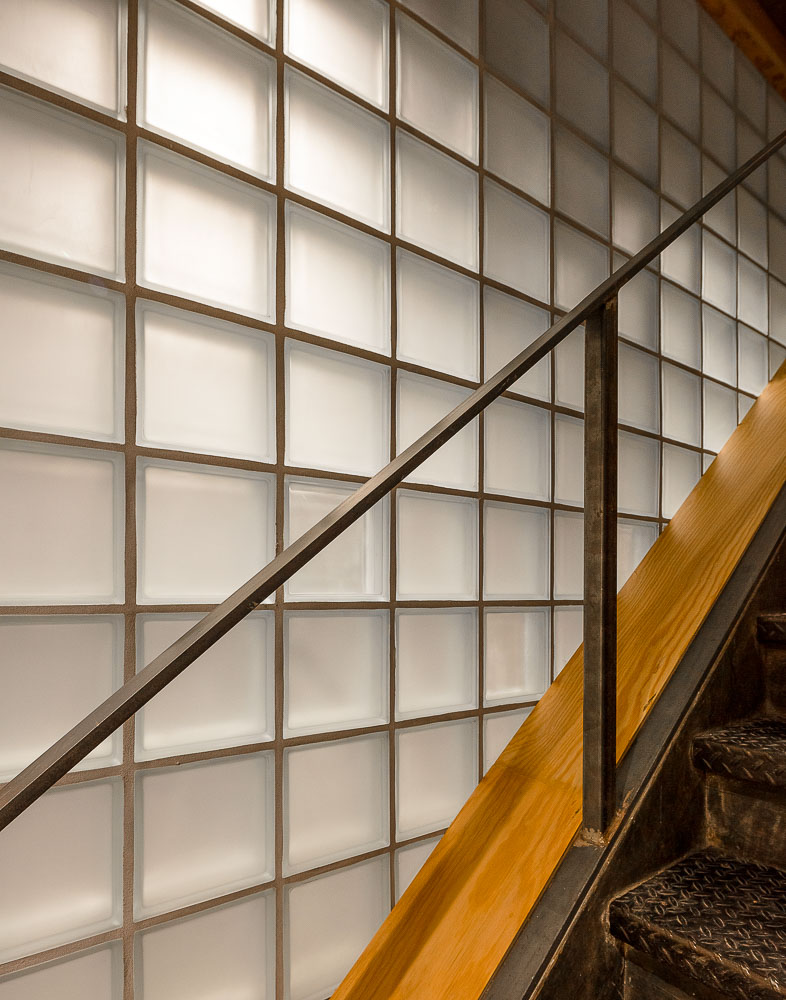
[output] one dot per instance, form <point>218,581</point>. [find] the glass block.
<point>777,357</point>
<point>752,226</point>
<point>634,540</point>
<point>568,556</point>
<point>720,346</point>
<point>751,294</point>
<point>422,402</point>
<point>569,381</point>
<point>224,699</point>
<point>61,525</point>
<point>206,88</point>
<point>437,547</point>
<point>635,213</point>
<point>635,51</point>
<point>335,800</point>
<point>516,242</point>
<point>335,670</point>
<point>744,403</point>
<point>648,7</point>
<point>582,90</point>
<point>717,57</point>
<point>777,246</point>
<point>718,133</point>
<point>680,91</point>
<point>226,950</point>
<point>437,201</point>
<point>511,326</point>
<point>437,311</point>
<point>186,853</point>
<point>568,634</point>
<point>517,645</point>
<point>720,415</point>
<point>65,666</point>
<point>516,552</point>
<point>776,114</point>
<point>97,972</point>
<point>681,472</point>
<point>681,260</point>
<point>60,869</point>
<point>205,235</point>
<point>723,217</point>
<point>680,167</point>
<point>62,345</point>
<point>639,467</point>
<point>436,661</point>
<point>580,265</point>
<point>518,450</point>
<point>337,410</point>
<point>639,399</point>
<point>751,93</point>
<point>61,186</point>
<point>680,22</point>
<point>777,311</point>
<point>499,728</point>
<point>719,272</point>
<point>202,531</point>
<point>636,134</point>
<point>328,921</point>
<point>352,171</point>
<point>777,187</point>
<point>437,769</point>
<point>638,314</point>
<point>459,21</point>
<point>409,861</point>
<point>752,361</point>
<point>749,142</point>
<point>581,182</point>
<point>338,281</point>
<point>568,460</point>
<point>517,143</point>
<point>345,41</point>
<point>437,89</point>
<point>355,565</point>
<point>255,16</point>
<point>517,46</point>
<point>204,385</point>
<point>680,325</point>
<point>681,405</point>
<point>590,24</point>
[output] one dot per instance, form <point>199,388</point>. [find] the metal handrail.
<point>600,543</point>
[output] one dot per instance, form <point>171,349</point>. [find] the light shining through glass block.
<point>409,861</point>
<point>568,460</point>
<point>517,450</point>
<point>436,657</point>
<point>568,556</point>
<point>639,394</point>
<point>582,90</point>
<point>681,472</point>
<point>635,50</point>
<point>634,540</point>
<point>720,415</point>
<point>719,267</point>
<point>636,134</point>
<point>569,381</point>
<point>581,179</point>
<point>638,313</point>
<point>580,265</point>
<point>681,405</point>
<point>639,466</point>
<point>751,294</point>
<point>753,374</point>
<point>680,325</point>
<point>568,624</point>
<point>517,45</point>
<point>499,729</point>
<point>681,260</point>
<point>255,16</point>
<point>635,213</point>
<point>96,972</point>
<point>517,145</point>
<point>510,326</point>
<point>437,547</point>
<point>516,552</point>
<point>517,655</point>
<point>516,242</point>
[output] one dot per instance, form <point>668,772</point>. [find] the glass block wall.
<point>247,254</point>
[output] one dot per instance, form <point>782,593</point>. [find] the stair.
<point>752,751</point>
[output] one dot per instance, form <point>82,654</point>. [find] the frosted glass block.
<point>720,415</point>
<point>568,634</point>
<point>639,468</point>
<point>718,133</point>
<point>752,226</point>
<point>636,134</point>
<point>681,26</point>
<point>639,399</point>
<point>590,24</point>
<point>581,180</point>
<point>568,556</point>
<point>638,314</point>
<point>516,552</point>
<point>409,861</point>
<point>719,271</point>
<point>517,46</point>
<point>681,472</point>
<point>518,450</point>
<point>511,326</point>
<point>680,91</point>
<point>723,217</point>
<point>681,260</point>
<point>681,405</point>
<point>437,769</point>
<point>582,90</point>
<point>337,410</point>
<point>335,800</point>
<point>65,666</point>
<point>335,670</point>
<point>635,51</point>
<point>499,729</point>
<point>61,186</point>
<point>777,311</point>
<point>202,531</point>
<point>744,403</point>
<point>254,16</point>
<point>186,853</point>
<point>224,699</point>
<point>205,235</point>
<point>352,170</point>
<point>569,382</point>
<point>437,201</point>
<point>516,242</point>
<point>568,460</point>
<point>717,57</point>
<point>354,565</point>
<point>517,645</point>
<point>648,7</point>
<point>777,189</point>
<point>204,385</point>
<point>720,346</point>
<point>328,922</point>
<point>343,40</point>
<point>62,345</point>
<point>61,525</point>
<point>94,973</point>
<point>776,114</point>
<point>206,88</point>
<point>751,93</point>
<point>437,661</point>
<point>752,361</point>
<point>751,294</point>
<point>634,540</point>
<point>517,144</point>
<point>225,951</point>
<point>777,256</point>
<point>580,265</point>
<point>437,547</point>
<point>338,281</point>
<point>635,213</point>
<point>749,143</point>
<point>777,357</point>
<point>437,89</point>
<point>459,20</point>
<point>60,869</point>
<point>437,311</point>
<point>680,325</point>
<point>422,402</point>
<point>680,167</point>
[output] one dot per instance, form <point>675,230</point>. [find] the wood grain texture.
<point>751,29</point>
<point>452,927</point>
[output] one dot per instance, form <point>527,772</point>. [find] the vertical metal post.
<point>600,567</point>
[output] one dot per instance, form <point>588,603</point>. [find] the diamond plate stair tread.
<point>751,751</point>
<point>771,628</point>
<point>714,919</point>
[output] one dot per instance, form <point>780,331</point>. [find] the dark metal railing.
<point>599,311</point>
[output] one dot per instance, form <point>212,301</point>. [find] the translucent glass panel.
<point>255,16</point>
<point>777,247</point>
<point>639,465</point>
<point>720,415</point>
<point>224,699</point>
<point>94,973</point>
<point>634,540</point>
<point>338,410</point>
<point>65,887</point>
<point>717,57</point>
<point>753,374</point>
<point>517,655</point>
<point>635,50</point>
<point>680,325</point>
<point>510,326</point>
<point>569,381</point>
<point>744,403</point>
<point>338,281</point>
<point>635,213</point>
<point>580,264</point>
<point>335,670</point>
<point>718,128</point>
<point>681,472</point>
<point>437,547</point>
<point>62,349</point>
<point>638,312</point>
<point>437,770</point>
<point>517,145</point>
<point>588,23</point>
<point>344,40</point>
<point>409,861</point>
<point>719,286</point>
<point>681,260</point>
<point>204,385</point>
<point>352,566</point>
<point>681,26</point>
<point>751,294</point>
<point>777,311</point>
<point>581,178</point>
<point>517,46</point>
<point>681,405</point>
<point>568,460</point>
<point>352,170</point>
<point>437,200</point>
<point>186,853</point>
<point>723,217</point>
<point>680,91</point>
<point>436,659</point>
<point>437,89</point>
<point>516,552</point>
<point>568,623</point>
<point>582,90</point>
<point>516,242</point>
<point>205,235</point>
<point>335,800</point>
<point>777,357</point>
<point>202,531</point>
<point>498,730</point>
<point>53,672</point>
<point>228,950</point>
<point>61,186</point>
<point>568,556</point>
<point>751,93</point>
<point>680,167</point>
<point>61,525</point>
<point>636,134</point>
<point>752,227</point>
<point>459,21</point>
<point>518,450</point>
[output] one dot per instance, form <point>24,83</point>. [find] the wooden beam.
<point>751,29</point>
